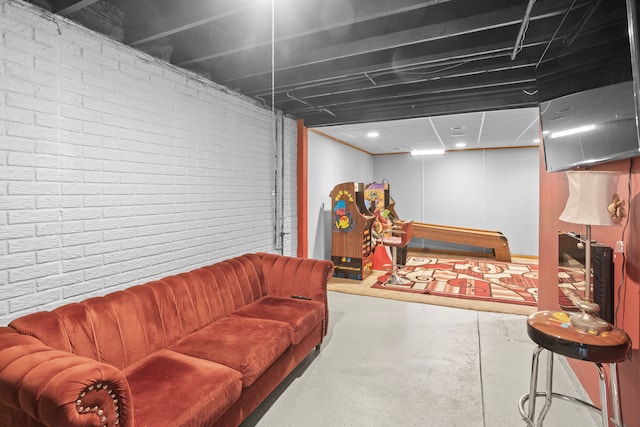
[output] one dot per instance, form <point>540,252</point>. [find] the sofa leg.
<point>318,347</point>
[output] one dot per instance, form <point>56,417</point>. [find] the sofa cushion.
<point>207,389</point>
<point>245,344</point>
<point>301,315</point>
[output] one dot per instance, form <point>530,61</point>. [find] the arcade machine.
<point>351,251</point>
<point>375,196</point>
<point>380,203</point>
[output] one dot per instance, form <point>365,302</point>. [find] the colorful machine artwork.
<point>376,199</point>
<point>351,232</point>
<point>343,219</point>
<point>360,216</point>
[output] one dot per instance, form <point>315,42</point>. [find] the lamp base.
<point>589,322</point>
<point>587,306</point>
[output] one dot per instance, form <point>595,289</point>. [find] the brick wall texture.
<point>117,168</point>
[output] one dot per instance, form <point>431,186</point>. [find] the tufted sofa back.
<point>125,326</point>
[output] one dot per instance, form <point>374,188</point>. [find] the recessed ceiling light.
<point>457,135</point>
<point>461,144</point>
<point>373,134</point>
<point>454,128</point>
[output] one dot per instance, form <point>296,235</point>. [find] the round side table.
<point>552,331</point>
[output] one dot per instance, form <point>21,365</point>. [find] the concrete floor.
<point>394,363</point>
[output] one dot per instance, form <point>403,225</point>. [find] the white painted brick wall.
<point>117,168</point>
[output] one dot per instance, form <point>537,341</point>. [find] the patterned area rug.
<point>479,280</point>
<point>570,287</point>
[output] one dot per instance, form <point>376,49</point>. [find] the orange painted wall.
<point>553,196</point>
<point>302,194</point>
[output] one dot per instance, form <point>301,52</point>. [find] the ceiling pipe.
<point>523,29</point>
<point>578,28</point>
<point>555,33</point>
<point>322,110</point>
<point>370,79</point>
<point>424,68</point>
<point>75,7</point>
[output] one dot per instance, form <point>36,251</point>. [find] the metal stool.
<point>552,331</point>
<point>399,237</point>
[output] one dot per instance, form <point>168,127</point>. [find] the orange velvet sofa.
<point>202,348</point>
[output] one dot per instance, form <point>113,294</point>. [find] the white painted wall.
<point>485,189</point>
<point>488,189</point>
<point>117,168</point>
<point>330,163</point>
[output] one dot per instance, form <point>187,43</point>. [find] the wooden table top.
<point>553,330</point>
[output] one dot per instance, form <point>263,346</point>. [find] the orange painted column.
<point>302,191</point>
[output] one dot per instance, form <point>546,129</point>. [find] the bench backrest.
<point>125,326</point>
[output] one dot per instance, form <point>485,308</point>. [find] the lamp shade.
<point>590,193</point>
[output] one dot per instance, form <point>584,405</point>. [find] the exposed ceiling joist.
<point>65,8</point>
<point>342,61</point>
<point>366,12</point>
<point>188,24</point>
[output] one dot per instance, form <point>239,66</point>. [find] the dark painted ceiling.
<point>334,62</point>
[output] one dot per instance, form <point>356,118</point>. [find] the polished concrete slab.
<point>395,363</point>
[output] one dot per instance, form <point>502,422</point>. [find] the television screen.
<point>588,110</point>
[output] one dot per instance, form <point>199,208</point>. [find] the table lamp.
<point>590,195</point>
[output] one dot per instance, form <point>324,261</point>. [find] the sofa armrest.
<point>57,388</point>
<point>303,277</point>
